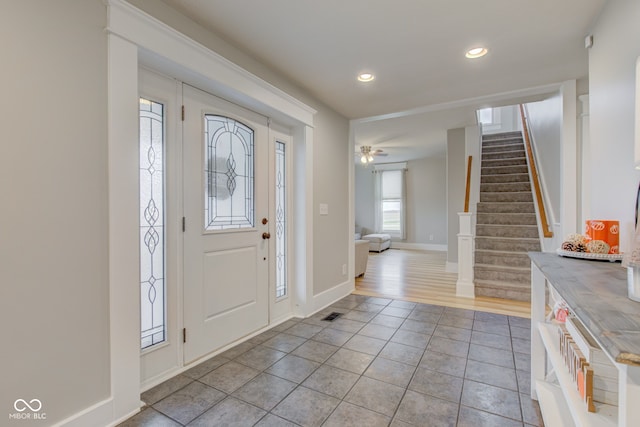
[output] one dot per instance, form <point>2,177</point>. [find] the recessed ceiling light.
<point>366,77</point>
<point>476,52</point>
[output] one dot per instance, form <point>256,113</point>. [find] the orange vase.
<point>605,230</point>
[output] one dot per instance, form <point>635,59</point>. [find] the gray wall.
<point>456,173</point>
<point>509,121</point>
<point>330,150</point>
<point>54,219</point>
<point>330,186</point>
<point>426,200</point>
<point>612,65</point>
<point>545,124</point>
<point>364,197</point>
<point>54,295</point>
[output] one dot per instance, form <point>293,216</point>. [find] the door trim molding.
<point>134,38</point>
<point>160,45</point>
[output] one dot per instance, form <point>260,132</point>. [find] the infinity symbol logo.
<point>21,405</point>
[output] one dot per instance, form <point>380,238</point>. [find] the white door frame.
<point>161,358</point>
<point>238,257</point>
<point>134,39</point>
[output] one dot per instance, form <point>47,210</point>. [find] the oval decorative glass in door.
<point>229,172</point>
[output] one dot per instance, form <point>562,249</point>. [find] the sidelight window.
<point>152,224</point>
<point>281,220</point>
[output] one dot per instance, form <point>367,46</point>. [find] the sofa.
<point>362,257</point>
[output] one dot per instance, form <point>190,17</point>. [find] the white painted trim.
<point>465,289</point>
<point>279,307</point>
<point>568,178</point>
<point>93,415</point>
<point>328,297</point>
<point>465,286</point>
<point>124,206</point>
<point>308,214</point>
<point>201,66</point>
<point>398,166</point>
<point>418,246</point>
<point>451,267</point>
<point>503,96</point>
<point>134,39</point>
<point>584,178</point>
<point>351,208</point>
<point>303,218</point>
<point>636,138</point>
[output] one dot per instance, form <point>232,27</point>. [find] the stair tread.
<point>504,167</point>
<point>503,152</point>
<point>502,267</point>
<point>502,284</point>
<point>508,225</point>
<point>506,192</point>
<point>495,252</point>
<point>526,239</point>
<point>505,213</point>
<point>504,143</point>
<point>509,203</point>
<point>505,174</point>
<point>501,137</point>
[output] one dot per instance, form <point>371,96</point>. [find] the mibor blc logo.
<point>27,410</point>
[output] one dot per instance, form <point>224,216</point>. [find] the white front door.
<point>226,251</point>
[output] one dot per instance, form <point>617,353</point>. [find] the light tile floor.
<point>383,362</point>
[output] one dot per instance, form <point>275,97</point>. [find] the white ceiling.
<point>416,50</point>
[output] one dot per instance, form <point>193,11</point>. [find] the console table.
<point>596,293</point>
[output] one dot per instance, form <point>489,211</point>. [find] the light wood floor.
<point>420,276</point>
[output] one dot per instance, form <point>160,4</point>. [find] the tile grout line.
<point>371,317</point>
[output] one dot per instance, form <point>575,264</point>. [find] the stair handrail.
<point>546,231</point>
<point>468,190</point>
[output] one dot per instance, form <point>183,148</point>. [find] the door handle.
<point>266,235</point>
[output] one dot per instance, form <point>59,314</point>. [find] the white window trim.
<point>402,166</point>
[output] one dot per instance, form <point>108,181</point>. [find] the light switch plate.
<point>324,209</point>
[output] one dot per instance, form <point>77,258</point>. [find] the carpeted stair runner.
<point>506,227</point>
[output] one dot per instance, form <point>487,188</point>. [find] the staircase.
<point>506,227</point>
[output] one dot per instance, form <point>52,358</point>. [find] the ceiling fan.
<point>367,154</point>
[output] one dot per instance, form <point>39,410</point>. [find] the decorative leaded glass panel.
<point>281,221</point>
<point>152,262</point>
<point>229,164</point>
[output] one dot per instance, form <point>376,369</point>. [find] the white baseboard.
<point>126,417</point>
<point>465,289</point>
<point>418,246</point>
<point>328,297</point>
<point>451,267</point>
<point>95,415</point>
